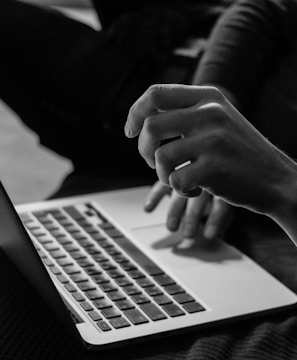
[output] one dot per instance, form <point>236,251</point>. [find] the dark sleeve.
<point>245,45</point>
<point>108,11</point>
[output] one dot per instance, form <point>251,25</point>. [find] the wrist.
<point>285,214</point>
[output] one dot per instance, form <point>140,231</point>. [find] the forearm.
<point>285,214</point>
<point>243,46</point>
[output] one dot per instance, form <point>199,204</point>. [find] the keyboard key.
<point>112,251</point>
<point>80,277</point>
<point>131,290</point>
<point>71,269</point>
<point>136,316</point>
<point>164,280</point>
<point>77,295</point>
<point>92,250</point>
<point>50,225</point>
<point>104,243</point>
<point>94,315</point>
<point>119,323</point>
<point>94,294</point>
<point>57,233</point>
<point>107,265</point>
<point>90,229</point>
<point>116,295</point>
<point>70,287</point>
<point>85,286</point>
<point>97,236</point>
<point>153,312</point>
<point>47,262</point>
<point>162,299</point>
<point>123,281</point>
<point>135,274</point>
<point>71,247</point>
<point>144,282</point>
<point>77,235</point>
<point>193,307</point>
<point>107,286</point>
<point>100,278</point>
<point>84,262</point>
<point>173,310</point>
<point>72,229</point>
<point>65,262</point>
<point>45,239</point>
<point>57,254</point>
<point>63,279</point>
<point>85,243</point>
<point>140,299</point>
<point>25,217</point>
<point>38,232</point>
<point>83,222</point>
<point>124,304</point>
<point>115,273</point>
<point>92,271</point>
<point>100,258</point>
<point>153,291</point>
<point>113,232</point>
<point>120,258</point>
<point>102,303</point>
<point>73,212</point>
<point>78,255</point>
<point>174,289</point>
<point>55,270</point>
<point>106,225</point>
<point>128,266</point>
<point>103,325</point>
<point>51,246</point>
<point>56,213</point>
<point>183,298</point>
<point>86,306</point>
<point>63,240</point>
<point>111,312</point>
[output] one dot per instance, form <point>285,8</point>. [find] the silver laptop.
<point>113,274</point>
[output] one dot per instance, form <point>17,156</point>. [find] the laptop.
<point>114,275</point>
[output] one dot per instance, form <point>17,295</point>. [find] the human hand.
<point>204,214</point>
<point>225,154</point>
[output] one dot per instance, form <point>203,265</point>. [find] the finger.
<point>219,219</point>
<point>194,213</point>
<point>173,156</point>
<point>176,211</point>
<point>188,180</point>
<point>164,97</point>
<point>155,195</point>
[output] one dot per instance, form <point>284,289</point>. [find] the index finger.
<point>162,97</point>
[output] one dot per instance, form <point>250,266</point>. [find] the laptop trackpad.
<point>178,253</point>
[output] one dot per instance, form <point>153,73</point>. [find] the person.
<point>55,78</point>
<point>214,148</point>
<point>47,64</point>
<point>250,58</point>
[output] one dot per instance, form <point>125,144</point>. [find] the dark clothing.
<point>64,81</point>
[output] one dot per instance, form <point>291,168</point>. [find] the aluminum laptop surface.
<point>123,277</point>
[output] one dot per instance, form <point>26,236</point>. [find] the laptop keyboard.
<point>112,280</point>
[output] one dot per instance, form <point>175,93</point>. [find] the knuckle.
<point>150,126</point>
<point>161,156</point>
<point>176,183</point>
<point>215,93</point>
<point>154,92</point>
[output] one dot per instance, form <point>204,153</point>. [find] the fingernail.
<point>172,224</point>
<point>128,131</point>
<point>148,205</point>
<point>189,231</point>
<point>209,232</point>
